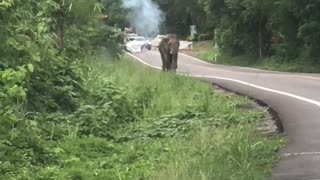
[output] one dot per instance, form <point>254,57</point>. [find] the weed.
<point>134,123</point>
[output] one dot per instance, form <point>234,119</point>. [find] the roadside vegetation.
<point>73,107</point>
<point>133,123</point>
<point>273,34</point>
<point>205,50</point>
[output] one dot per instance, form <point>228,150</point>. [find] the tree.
<point>181,14</point>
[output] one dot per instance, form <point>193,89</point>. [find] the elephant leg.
<point>163,58</point>
<point>164,49</point>
<point>169,61</point>
<point>174,45</point>
<point>174,61</point>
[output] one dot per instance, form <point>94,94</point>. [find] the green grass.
<point>233,153</point>
<point>158,125</point>
<point>209,148</point>
<point>205,51</point>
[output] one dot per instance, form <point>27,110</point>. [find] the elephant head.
<point>169,48</point>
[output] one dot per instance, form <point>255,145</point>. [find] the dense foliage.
<point>288,30</point>
<point>285,30</point>
<point>129,125</point>
<point>65,113</point>
<point>43,43</point>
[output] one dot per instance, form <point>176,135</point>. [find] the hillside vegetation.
<point>73,107</point>
<point>276,34</point>
<point>205,50</point>
<point>129,124</point>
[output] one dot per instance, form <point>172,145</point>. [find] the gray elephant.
<point>169,49</point>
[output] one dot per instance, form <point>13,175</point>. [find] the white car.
<point>137,44</point>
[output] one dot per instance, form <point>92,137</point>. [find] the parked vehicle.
<point>137,44</point>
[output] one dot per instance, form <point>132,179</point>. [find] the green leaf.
<point>37,58</point>
<point>30,67</point>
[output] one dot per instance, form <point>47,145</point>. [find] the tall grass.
<point>166,93</point>
<point>234,153</point>
<point>205,50</point>
<point>223,145</point>
<point>137,123</point>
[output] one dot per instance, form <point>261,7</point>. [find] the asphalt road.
<point>293,96</point>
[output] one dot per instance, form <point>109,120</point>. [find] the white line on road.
<point>301,75</point>
<point>196,59</point>
<point>156,67</point>
<point>199,60</point>
<point>301,154</point>
<point>317,103</point>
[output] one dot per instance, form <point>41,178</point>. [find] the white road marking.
<point>199,60</point>
<point>285,155</point>
<point>317,103</point>
<point>196,59</point>
<point>301,75</point>
<point>156,67</point>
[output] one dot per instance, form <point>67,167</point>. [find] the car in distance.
<point>137,44</point>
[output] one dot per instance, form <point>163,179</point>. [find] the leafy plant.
<point>66,112</point>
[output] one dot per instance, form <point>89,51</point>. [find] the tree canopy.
<point>286,28</point>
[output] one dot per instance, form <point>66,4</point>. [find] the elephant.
<point>169,48</point>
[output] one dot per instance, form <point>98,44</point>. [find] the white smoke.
<point>145,16</point>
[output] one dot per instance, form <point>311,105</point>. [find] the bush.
<point>205,37</point>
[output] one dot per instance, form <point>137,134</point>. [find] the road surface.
<point>293,96</point>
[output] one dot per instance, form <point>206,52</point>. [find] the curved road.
<point>293,96</point>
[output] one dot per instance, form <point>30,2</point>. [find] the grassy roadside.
<point>189,132</point>
<point>141,124</point>
<point>205,51</point>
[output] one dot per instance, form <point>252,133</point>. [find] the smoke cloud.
<point>145,16</point>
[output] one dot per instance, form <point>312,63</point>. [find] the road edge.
<point>270,111</point>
